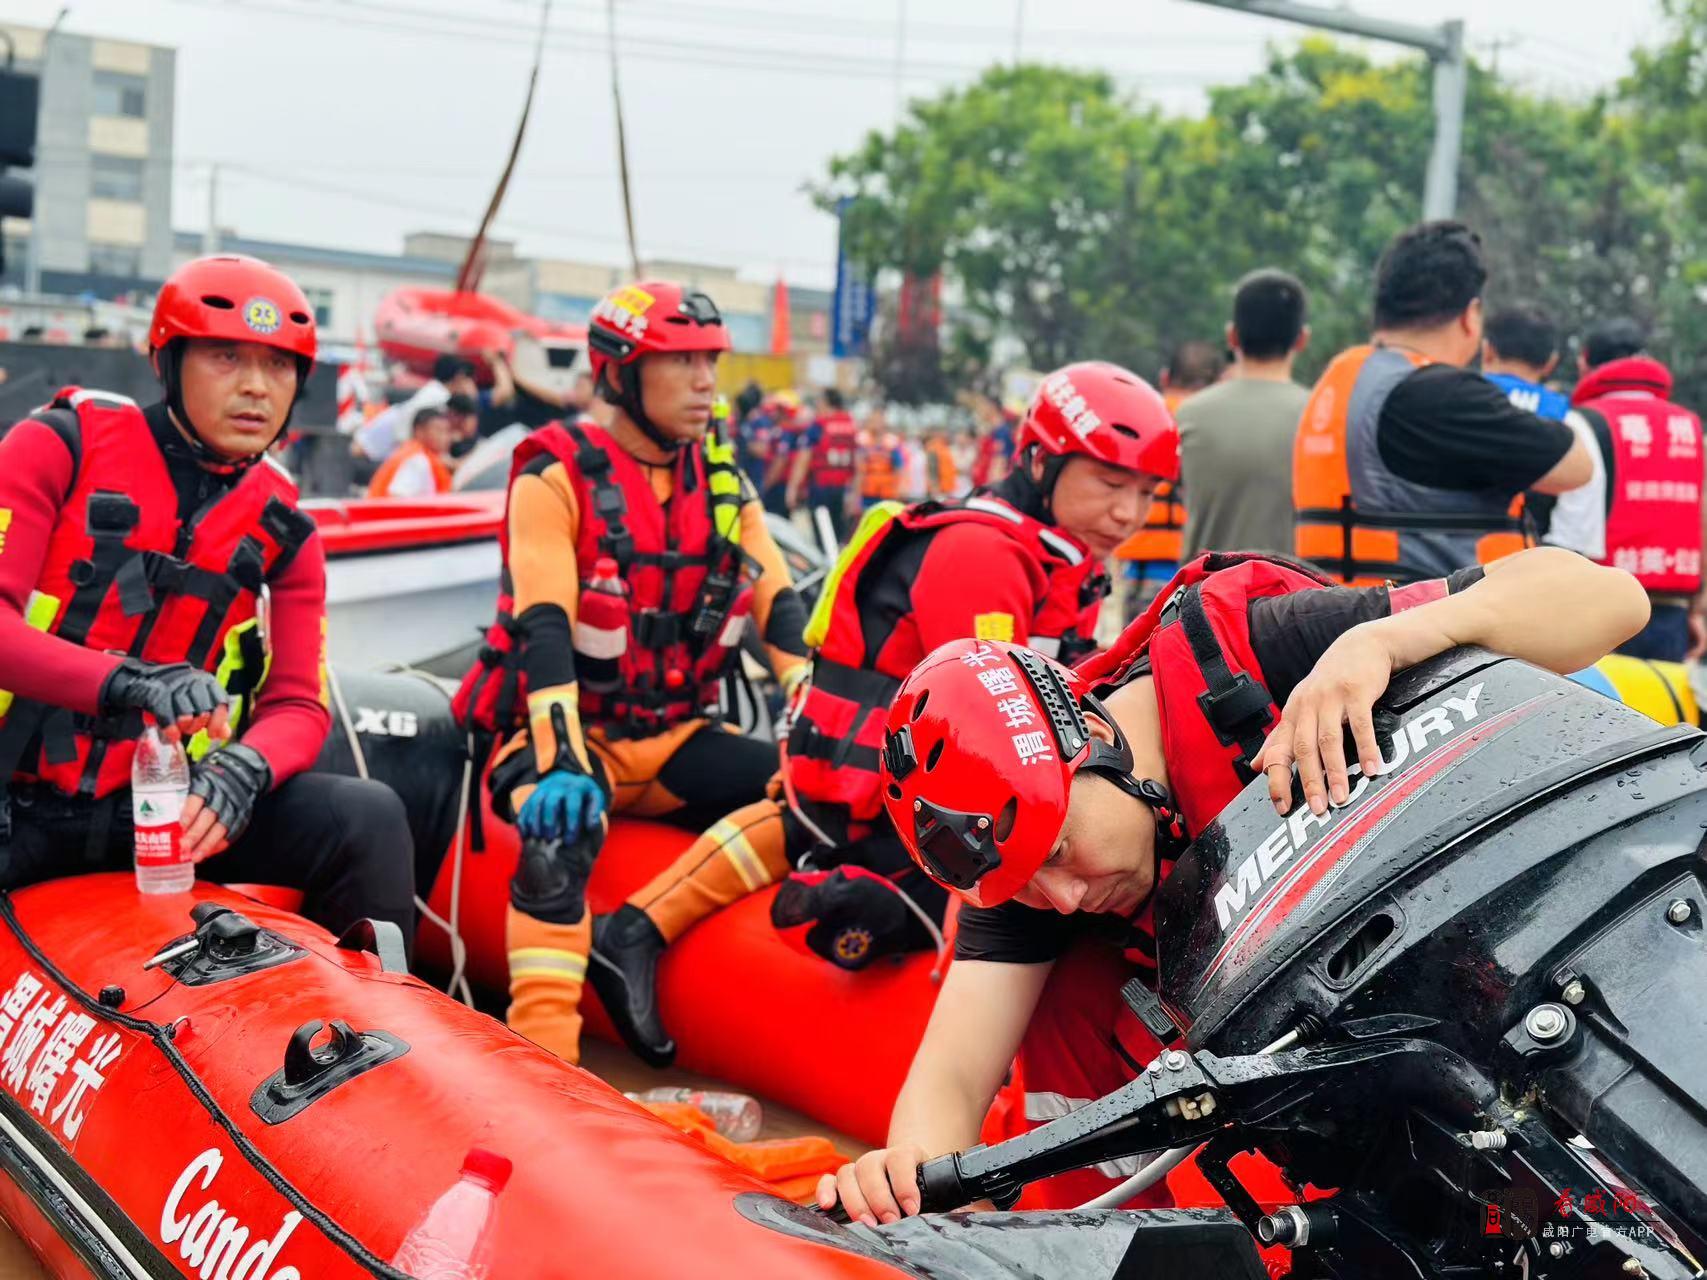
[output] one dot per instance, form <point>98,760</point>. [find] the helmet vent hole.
<point>1128,432</point>
<point>1005,819</point>
<point>218,303</point>
<point>299,317</point>
<point>894,792</point>
<point>935,754</point>
<point>919,706</point>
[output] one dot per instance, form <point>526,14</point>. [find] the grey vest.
<point>1438,528</point>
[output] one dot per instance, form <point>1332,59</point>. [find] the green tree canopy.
<point>1083,224</point>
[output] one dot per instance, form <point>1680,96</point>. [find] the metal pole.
<point>1019,28</point>
<point>1445,47</point>
<point>900,53</point>
<point>1451,79</point>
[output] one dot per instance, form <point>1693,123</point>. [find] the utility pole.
<point>1444,46</point>
<point>210,237</point>
<point>900,55</point>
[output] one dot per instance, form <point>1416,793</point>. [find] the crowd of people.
<point>953,730</point>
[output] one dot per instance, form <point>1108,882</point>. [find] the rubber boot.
<point>548,964</point>
<point>626,947</point>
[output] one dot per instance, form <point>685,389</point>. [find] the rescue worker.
<point>942,476</point>
<point>996,426</point>
<point>790,427</point>
<point>1520,351</point>
<point>1020,562</point>
<point>420,465</point>
<point>1053,801</point>
<point>634,557</point>
<point>1654,463</point>
<point>1407,465</point>
<point>880,459</point>
<point>154,562</point>
<point>823,465</point>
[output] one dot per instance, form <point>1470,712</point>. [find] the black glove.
<point>856,915</point>
<point>229,781</point>
<point>164,692</point>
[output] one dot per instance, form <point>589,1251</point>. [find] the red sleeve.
<point>291,717</point>
<point>973,581</point>
<point>36,474</point>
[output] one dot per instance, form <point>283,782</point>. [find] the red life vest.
<point>1653,529</point>
<point>689,587</point>
<point>1214,704</point>
<point>832,464</point>
<point>837,733</point>
<point>122,574</point>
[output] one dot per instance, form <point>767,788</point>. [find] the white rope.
<point>458,985</point>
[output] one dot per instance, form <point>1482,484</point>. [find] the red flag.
<point>779,319</point>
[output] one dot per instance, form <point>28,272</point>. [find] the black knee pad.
<point>550,883</point>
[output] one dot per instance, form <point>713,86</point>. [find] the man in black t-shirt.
<point>1056,837</point>
<point>1407,465</point>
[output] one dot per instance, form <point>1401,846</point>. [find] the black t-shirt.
<point>1448,428</point>
<point>1288,633</point>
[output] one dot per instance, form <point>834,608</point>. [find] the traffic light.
<point>19,95</point>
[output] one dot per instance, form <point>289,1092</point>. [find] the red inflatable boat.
<point>270,1105</point>
<point>416,326</point>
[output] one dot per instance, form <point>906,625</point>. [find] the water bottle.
<point>601,628</point>
<point>454,1241</point>
<point>734,1115</point>
<point>159,784</point>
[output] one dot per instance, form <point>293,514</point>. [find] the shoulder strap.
<point>609,503</point>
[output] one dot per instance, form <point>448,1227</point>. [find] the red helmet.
<point>1101,410</point>
<point>237,299</point>
<point>651,317</point>
<point>978,720</point>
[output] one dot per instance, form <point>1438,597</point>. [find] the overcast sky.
<point>349,122</point>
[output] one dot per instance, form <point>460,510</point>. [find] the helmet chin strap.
<point>1114,762</point>
<point>628,399</point>
<point>170,360</point>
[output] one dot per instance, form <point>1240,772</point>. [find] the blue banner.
<point>856,299</point>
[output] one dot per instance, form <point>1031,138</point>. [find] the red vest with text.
<point>833,456</point>
<point>838,723</point>
<point>1653,529</point>
<point>122,574</point>
<point>688,586</point>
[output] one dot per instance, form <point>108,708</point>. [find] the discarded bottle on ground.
<point>455,1241</point>
<point>159,785</point>
<point>734,1115</point>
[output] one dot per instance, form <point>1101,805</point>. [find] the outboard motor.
<point>1471,999</point>
<point>401,725</point>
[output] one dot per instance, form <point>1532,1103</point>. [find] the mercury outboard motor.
<point>1472,1000</point>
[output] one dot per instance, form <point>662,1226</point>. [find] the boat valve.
<point>225,944</point>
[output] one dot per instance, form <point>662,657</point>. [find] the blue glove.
<point>562,806</point>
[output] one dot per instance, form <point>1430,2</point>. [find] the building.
<point>344,286</point>
<point>103,174</point>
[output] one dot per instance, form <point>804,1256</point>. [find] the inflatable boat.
<point>202,1085</point>
<point>404,577</point>
<point>416,326</point>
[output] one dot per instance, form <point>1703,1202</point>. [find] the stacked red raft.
<point>193,1119</point>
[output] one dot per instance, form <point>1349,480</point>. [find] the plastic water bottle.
<point>454,1241</point>
<point>601,628</point>
<point>734,1115</point>
<point>159,784</point>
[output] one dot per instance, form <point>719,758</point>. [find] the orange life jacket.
<point>123,574</point>
<point>380,485</point>
<point>947,474</point>
<point>879,477</point>
<point>1357,520</point>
